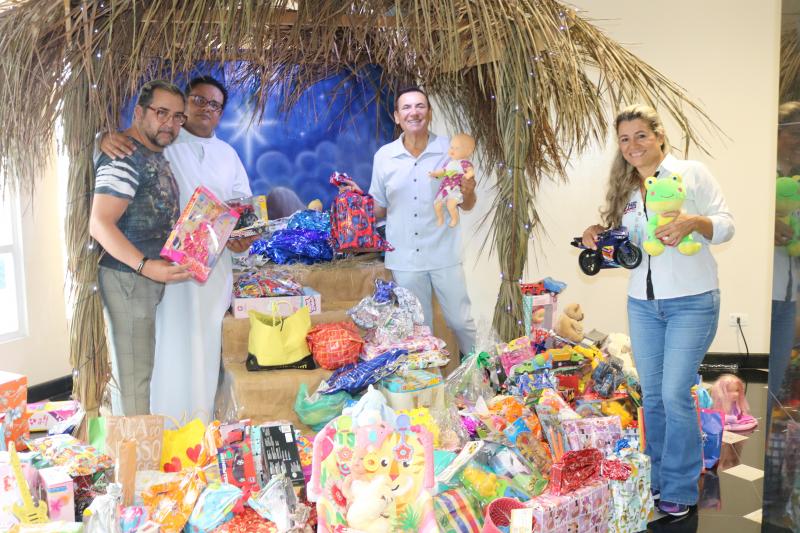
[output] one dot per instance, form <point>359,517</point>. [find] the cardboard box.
<point>286,305</point>
<point>44,415</point>
<point>13,409</point>
<point>275,452</point>
<point>57,489</point>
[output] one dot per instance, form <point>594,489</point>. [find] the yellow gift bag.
<point>275,343</point>
<point>182,448</point>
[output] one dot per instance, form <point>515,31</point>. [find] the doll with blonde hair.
<point>729,397</point>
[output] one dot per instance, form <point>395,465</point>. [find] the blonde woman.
<point>673,299</point>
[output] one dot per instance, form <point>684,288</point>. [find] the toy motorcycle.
<point>614,249</point>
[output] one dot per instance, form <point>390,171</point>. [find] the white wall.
<point>44,353</point>
<point>725,54</point>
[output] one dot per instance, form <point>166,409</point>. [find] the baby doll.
<point>728,395</point>
<point>459,168</point>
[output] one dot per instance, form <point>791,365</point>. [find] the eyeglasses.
<point>201,101</point>
<point>164,115</point>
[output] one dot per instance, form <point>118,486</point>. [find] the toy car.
<point>614,249</point>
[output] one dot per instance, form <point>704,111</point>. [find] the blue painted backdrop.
<point>321,134</point>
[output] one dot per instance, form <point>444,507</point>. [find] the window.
<point>13,316</point>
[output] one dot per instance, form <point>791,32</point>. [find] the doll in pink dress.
<point>459,168</point>
<point>729,397</point>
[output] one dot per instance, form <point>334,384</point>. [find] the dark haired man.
<point>134,207</point>
<point>189,318</point>
<point>427,257</point>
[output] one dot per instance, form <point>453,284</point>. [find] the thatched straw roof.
<point>531,79</point>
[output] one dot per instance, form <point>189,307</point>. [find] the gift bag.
<point>353,221</point>
<point>335,345</point>
<point>712,425</point>
<point>171,504</point>
<point>316,410</point>
<point>631,502</point>
<point>182,447</point>
<point>457,512</point>
<point>146,430</point>
<point>276,343</point>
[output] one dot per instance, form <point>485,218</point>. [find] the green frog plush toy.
<point>787,202</point>
<point>665,195</point>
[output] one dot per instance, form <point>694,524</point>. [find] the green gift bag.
<point>97,433</point>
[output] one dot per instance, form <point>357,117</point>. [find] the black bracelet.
<point>141,265</point>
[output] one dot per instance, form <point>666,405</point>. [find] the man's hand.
<point>238,246</point>
<point>165,272</point>
<point>116,145</point>
<point>349,185</point>
<point>468,192</point>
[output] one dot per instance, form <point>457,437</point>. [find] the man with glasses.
<point>134,207</point>
<point>189,318</point>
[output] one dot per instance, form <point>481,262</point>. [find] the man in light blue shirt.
<point>426,256</point>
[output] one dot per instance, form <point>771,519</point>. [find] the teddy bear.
<point>459,168</point>
<point>371,505</point>
<point>569,323</point>
<point>665,195</point>
<point>619,345</point>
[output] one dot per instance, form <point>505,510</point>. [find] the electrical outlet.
<point>732,319</point>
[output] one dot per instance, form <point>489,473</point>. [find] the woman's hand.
<point>783,233</point>
<point>590,236</point>
<point>682,225</point>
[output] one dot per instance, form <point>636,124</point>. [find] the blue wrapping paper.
<point>310,219</point>
<point>354,377</point>
<point>296,245</point>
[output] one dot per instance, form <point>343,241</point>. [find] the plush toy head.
<point>370,507</point>
<point>619,345</point>
<point>574,311</point>
<point>666,194</point>
<point>568,325</point>
<point>787,195</point>
<point>461,146</point>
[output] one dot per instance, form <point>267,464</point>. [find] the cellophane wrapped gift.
<point>170,504</point>
<point>600,432</point>
<point>457,512</point>
<point>335,344</point>
<point>585,510</point>
<point>631,502</point>
<point>199,236</point>
<point>13,409</point>
<point>574,470</point>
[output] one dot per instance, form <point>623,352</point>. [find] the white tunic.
<point>189,318</point>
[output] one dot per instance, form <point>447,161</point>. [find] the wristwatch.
<point>141,265</point>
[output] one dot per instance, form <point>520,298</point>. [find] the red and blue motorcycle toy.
<point>614,249</point>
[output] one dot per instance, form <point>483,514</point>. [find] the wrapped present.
<point>13,409</point>
<point>412,344</point>
<point>67,451</point>
<point>247,522</point>
<point>586,510</point>
<point>171,504</point>
<point>574,470</point>
<point>353,221</point>
<point>598,432</point>
<point>631,502</point>
<point>334,345</point>
<point>200,234</point>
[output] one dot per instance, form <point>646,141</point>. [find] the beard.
<point>161,138</point>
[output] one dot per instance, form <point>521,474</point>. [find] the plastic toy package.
<point>199,236</point>
<point>253,217</point>
<point>265,284</point>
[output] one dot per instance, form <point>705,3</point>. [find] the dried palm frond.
<point>531,79</point>
<point>790,64</point>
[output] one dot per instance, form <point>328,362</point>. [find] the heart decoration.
<point>173,466</point>
<point>193,453</point>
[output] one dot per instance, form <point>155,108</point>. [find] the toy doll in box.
<point>199,236</point>
<point>458,169</point>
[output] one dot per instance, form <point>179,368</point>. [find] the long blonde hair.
<point>623,177</point>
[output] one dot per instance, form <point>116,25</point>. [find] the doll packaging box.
<point>199,236</point>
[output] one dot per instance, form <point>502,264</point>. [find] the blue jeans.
<point>669,339</point>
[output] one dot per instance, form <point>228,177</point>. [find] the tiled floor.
<point>731,494</point>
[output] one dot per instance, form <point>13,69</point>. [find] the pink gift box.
<point>587,510</point>
<point>44,415</point>
<point>57,489</point>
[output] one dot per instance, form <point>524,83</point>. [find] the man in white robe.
<point>189,317</point>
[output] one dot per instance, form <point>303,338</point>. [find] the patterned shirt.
<point>146,181</point>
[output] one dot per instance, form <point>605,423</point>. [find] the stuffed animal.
<point>729,397</point>
<point>664,195</point>
<point>569,324</point>
<point>371,505</point>
<point>787,202</point>
<point>619,345</point>
<point>459,168</point>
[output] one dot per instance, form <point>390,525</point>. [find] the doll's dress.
<point>737,420</point>
<point>451,182</point>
